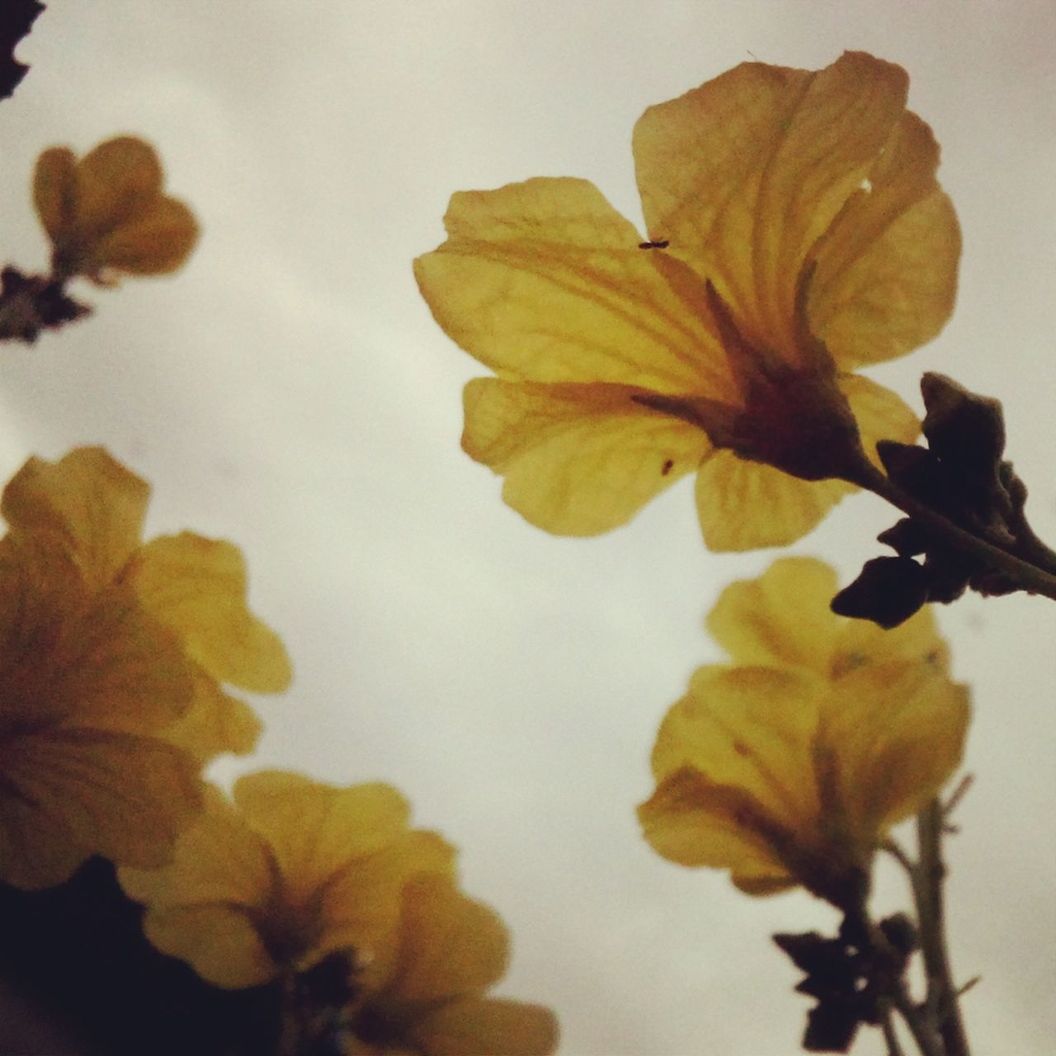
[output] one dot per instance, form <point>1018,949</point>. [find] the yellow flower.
<point>106,213</point>
<point>790,765</point>
<point>91,509</point>
<point>89,681</point>
<point>431,1001</point>
<point>291,871</point>
<point>797,232</point>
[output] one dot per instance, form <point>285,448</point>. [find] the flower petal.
<point>450,945</point>
<point>578,459</point>
<point>916,641</point>
<point>880,413</point>
<point>544,281</point>
<point>78,658</point>
<point>748,728</point>
<point>886,278</point>
<point>898,731</point>
<point>203,906</point>
<point>116,179</point>
<point>218,859</point>
<point>781,618</point>
<point>114,794</point>
<point>55,189</point>
<point>215,722</point>
<point>361,901</point>
<point>495,1026</point>
<point>155,243</point>
<point>694,822</point>
<point>197,587</point>
<point>313,828</point>
<point>219,942</point>
<point>87,500</point>
<point>744,505</point>
<point>744,174</point>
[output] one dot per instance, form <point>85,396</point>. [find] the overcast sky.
<point>290,391</point>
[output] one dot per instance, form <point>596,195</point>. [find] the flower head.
<point>289,872</point>
<point>797,232</point>
<point>106,214</point>
<point>108,696</point>
<point>90,509</point>
<point>789,765</point>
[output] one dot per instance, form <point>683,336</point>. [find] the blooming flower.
<point>431,1000</point>
<point>88,683</point>
<point>109,655</point>
<point>106,213</point>
<point>789,765</point>
<point>797,232</point>
<point>91,509</point>
<point>289,872</point>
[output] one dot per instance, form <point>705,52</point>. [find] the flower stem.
<point>1032,577</point>
<point>887,1026</point>
<point>928,877</point>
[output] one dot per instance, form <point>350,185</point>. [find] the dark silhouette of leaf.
<point>16,18</point>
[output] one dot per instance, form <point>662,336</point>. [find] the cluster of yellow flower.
<point>115,658</point>
<point>796,232</point>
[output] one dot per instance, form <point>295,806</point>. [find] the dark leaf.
<point>16,18</point>
<point>888,591</point>
<point>831,1027</point>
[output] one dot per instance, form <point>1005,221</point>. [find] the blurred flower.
<point>106,214</point>
<point>290,872</point>
<point>89,681</point>
<point>430,999</point>
<point>89,509</point>
<point>797,232</point>
<point>790,765</point>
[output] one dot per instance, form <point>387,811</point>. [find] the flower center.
<point>790,416</point>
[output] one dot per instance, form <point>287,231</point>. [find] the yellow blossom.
<point>106,214</point>
<point>430,999</point>
<point>89,681</point>
<point>790,765</point>
<point>796,233</point>
<point>290,871</point>
<point>91,509</point>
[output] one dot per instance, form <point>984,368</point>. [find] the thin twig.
<point>887,1025</point>
<point>893,848</point>
<point>928,1042</point>
<point>928,894</point>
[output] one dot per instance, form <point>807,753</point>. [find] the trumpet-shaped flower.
<point>430,998</point>
<point>790,765</point>
<point>796,233</point>
<point>289,872</point>
<point>106,214</point>
<point>91,510</point>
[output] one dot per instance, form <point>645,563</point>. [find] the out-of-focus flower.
<point>89,682</point>
<point>291,871</point>
<point>797,233</point>
<point>428,992</point>
<point>106,214</point>
<point>90,510</point>
<point>790,765</point>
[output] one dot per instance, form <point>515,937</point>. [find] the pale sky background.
<point>290,391</point>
